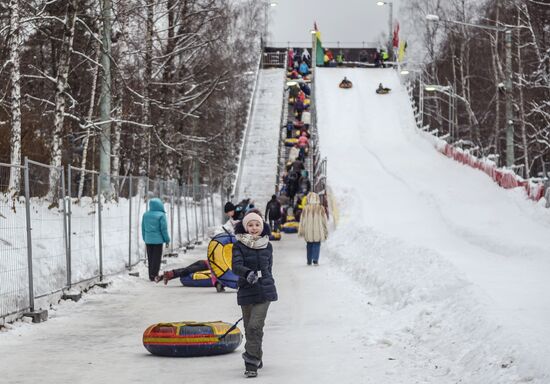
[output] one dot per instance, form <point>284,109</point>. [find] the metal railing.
<point>326,44</point>
<point>62,233</point>
<point>275,59</point>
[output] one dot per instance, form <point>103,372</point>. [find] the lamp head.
<point>433,18</point>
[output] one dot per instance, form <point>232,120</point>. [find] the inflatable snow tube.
<point>197,279</point>
<point>346,85</point>
<point>291,227</point>
<point>220,258</point>
<point>275,236</point>
<point>190,339</point>
<point>291,142</point>
<point>307,103</point>
<point>383,91</point>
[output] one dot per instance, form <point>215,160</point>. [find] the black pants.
<point>274,224</point>
<point>197,266</point>
<point>154,255</point>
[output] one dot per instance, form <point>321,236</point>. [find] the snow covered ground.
<point>323,329</point>
<point>260,154</point>
<point>462,264</point>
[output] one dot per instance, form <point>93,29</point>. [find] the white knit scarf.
<point>253,242</point>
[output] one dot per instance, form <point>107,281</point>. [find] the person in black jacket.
<point>252,262</point>
<point>273,213</point>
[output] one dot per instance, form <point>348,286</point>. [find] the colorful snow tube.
<point>220,258</point>
<point>189,339</point>
<point>198,279</point>
<point>291,142</point>
<point>275,236</point>
<point>346,85</point>
<point>291,227</point>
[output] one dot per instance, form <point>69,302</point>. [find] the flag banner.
<point>402,51</point>
<point>396,35</point>
<point>319,51</point>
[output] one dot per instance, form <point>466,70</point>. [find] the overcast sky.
<point>338,20</point>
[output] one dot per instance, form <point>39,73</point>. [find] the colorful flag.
<point>402,51</point>
<point>319,52</point>
<point>396,35</point>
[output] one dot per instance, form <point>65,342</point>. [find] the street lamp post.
<point>268,4</point>
<point>313,52</point>
<point>510,155</point>
<point>390,25</point>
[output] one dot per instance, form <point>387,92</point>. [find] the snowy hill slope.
<point>260,153</point>
<point>463,265</point>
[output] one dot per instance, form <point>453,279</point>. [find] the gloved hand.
<point>252,277</point>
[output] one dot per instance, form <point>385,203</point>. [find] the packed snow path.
<point>322,330</point>
<point>259,164</point>
<point>429,234</point>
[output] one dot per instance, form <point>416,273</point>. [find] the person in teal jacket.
<point>154,230</point>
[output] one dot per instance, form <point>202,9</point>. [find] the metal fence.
<point>46,193</point>
<point>63,233</point>
<point>14,288</point>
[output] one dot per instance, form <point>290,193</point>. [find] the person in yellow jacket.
<point>313,227</point>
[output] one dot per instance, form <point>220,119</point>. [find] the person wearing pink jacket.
<point>303,143</point>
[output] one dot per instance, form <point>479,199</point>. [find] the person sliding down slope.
<point>345,83</point>
<point>382,90</point>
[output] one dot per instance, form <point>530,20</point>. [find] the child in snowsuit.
<point>154,230</point>
<point>252,262</point>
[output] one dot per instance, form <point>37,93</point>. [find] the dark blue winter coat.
<point>154,227</point>
<point>247,259</point>
<point>305,88</point>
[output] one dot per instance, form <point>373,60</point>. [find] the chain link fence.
<point>46,188</point>
<point>57,231</point>
<point>14,268</point>
<point>82,227</point>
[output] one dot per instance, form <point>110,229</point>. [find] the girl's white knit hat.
<point>252,216</point>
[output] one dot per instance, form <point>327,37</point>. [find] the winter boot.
<point>251,370</point>
<point>219,287</point>
<point>166,276</point>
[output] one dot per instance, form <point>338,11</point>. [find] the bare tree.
<point>15,99</point>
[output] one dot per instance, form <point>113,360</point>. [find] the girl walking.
<point>252,262</point>
<point>154,230</point>
<point>313,227</point>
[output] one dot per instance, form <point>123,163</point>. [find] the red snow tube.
<point>189,339</point>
